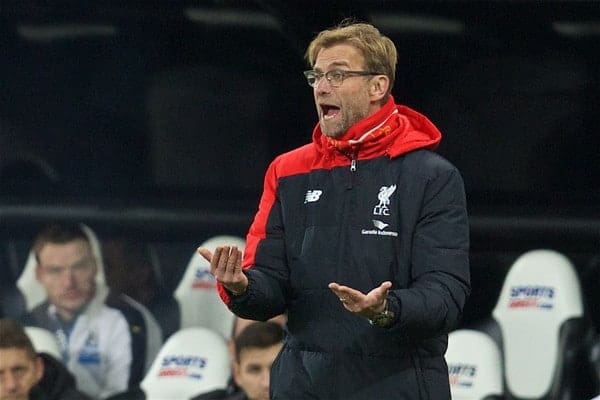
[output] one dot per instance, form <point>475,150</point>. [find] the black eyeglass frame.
<point>311,73</point>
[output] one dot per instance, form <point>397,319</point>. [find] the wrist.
<point>383,307</point>
<point>377,310</point>
<point>238,292</point>
<point>383,318</point>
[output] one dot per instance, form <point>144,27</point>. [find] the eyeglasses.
<point>335,77</point>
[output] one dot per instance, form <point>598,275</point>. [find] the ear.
<point>38,272</point>
<point>236,372</point>
<point>231,348</point>
<point>378,87</point>
<point>39,368</point>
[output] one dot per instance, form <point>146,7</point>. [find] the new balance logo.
<point>312,196</point>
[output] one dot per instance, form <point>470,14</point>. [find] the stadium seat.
<point>196,294</point>
<point>44,341</point>
<point>192,362</point>
<point>474,366</point>
<point>540,316</point>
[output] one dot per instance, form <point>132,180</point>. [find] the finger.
<point>341,288</point>
<point>211,258</point>
<point>378,294</point>
<point>223,259</point>
<point>337,289</point>
<point>349,297</point>
<point>384,288</point>
<point>234,262</point>
<point>214,261</point>
<point>239,260</point>
<point>351,294</point>
<point>217,262</point>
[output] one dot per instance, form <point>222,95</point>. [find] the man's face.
<point>67,271</point>
<point>252,371</point>
<point>341,107</point>
<point>18,373</point>
<point>241,324</point>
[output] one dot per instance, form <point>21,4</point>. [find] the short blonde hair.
<point>378,50</point>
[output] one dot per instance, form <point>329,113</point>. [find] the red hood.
<point>393,130</point>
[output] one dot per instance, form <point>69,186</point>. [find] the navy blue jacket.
<point>384,207</point>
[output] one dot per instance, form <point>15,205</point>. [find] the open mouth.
<point>329,111</point>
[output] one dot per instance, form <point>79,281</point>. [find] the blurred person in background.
<point>239,324</point>
<point>256,347</point>
<point>27,375</point>
<point>98,344</point>
<point>361,237</point>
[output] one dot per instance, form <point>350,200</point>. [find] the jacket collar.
<point>393,130</point>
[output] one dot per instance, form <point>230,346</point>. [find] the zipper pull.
<point>351,177</point>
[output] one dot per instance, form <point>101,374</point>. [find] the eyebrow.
<point>84,261</point>
<point>79,263</point>
<point>335,64</point>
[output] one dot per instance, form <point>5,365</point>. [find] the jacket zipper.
<point>352,170</point>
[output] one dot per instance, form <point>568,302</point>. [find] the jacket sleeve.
<point>264,262</point>
<point>433,303</point>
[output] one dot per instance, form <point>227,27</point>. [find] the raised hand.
<point>226,267</point>
<point>366,305</point>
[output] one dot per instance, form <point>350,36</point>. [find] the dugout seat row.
<point>197,300</point>
<point>195,295</point>
<point>193,362</point>
<point>537,343</point>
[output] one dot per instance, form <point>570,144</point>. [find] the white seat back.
<point>192,361</point>
<point>44,341</point>
<point>474,365</point>
<point>34,293</point>
<point>541,291</point>
<point>196,294</point>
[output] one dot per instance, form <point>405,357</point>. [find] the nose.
<point>69,278</point>
<point>9,382</point>
<point>265,379</point>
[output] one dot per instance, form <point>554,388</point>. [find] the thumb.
<point>204,252</point>
<point>384,288</point>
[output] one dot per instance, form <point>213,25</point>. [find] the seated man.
<point>255,350</point>
<point>102,338</point>
<point>239,324</point>
<point>26,375</point>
